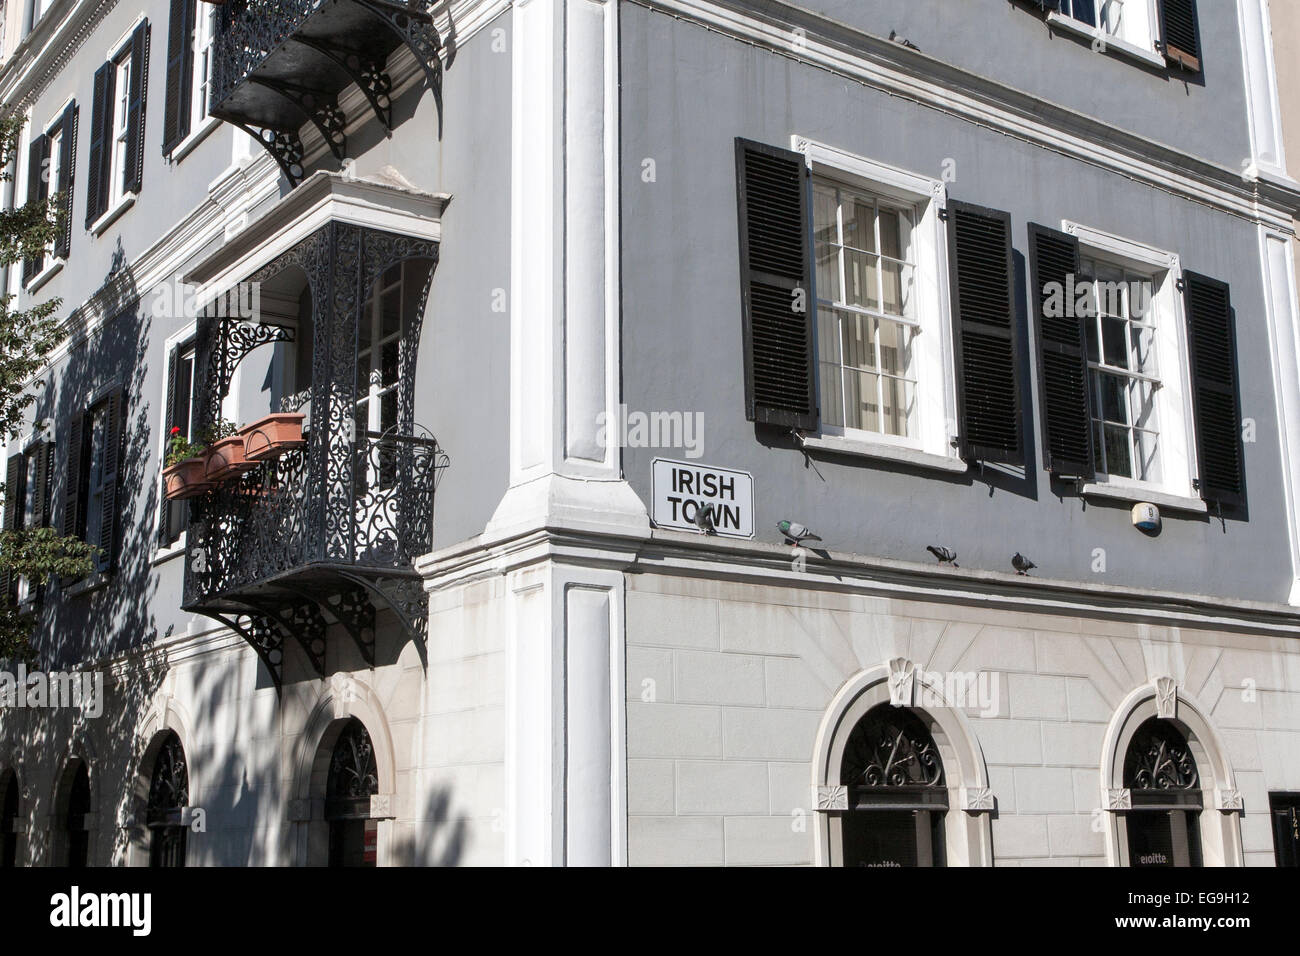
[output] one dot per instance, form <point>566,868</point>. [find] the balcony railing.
<point>278,64</point>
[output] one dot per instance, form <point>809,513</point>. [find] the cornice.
<point>892,68</point>
<point>42,54</point>
<point>683,554</point>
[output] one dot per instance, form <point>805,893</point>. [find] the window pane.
<point>1094,347</point>
<point>900,406</point>
<point>824,214</point>
<point>861,400</point>
<point>1148,459</point>
<point>895,347</point>
<point>391,314</point>
<point>1114,340</point>
<point>1084,10</point>
<point>828,336</point>
<point>828,273</point>
<point>1118,457</point>
<point>388,363</point>
<point>860,277</point>
<point>1142,346</point>
<point>859,339</point>
<point>832,395</point>
<point>859,223</point>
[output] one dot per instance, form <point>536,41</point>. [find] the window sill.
<point>195,137</point>
<point>54,267</point>
<point>113,215</point>
<point>174,550</point>
<point>91,582</point>
<point>894,453</point>
<point>1111,44</point>
<point>1133,495</point>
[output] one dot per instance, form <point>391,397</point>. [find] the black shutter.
<point>1212,346</point>
<point>1180,30</point>
<point>166,526</point>
<point>1062,354</point>
<point>13,492</point>
<point>985,333</point>
<point>74,487</point>
<point>180,73</point>
<point>67,178</point>
<point>107,558</point>
<point>41,494</point>
<point>776,281</point>
<point>38,154</point>
<point>101,144</point>
<point>135,108</point>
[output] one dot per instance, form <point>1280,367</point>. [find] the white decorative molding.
<point>902,681</point>
<point>1119,799</point>
<point>381,806</point>
<point>1166,698</point>
<point>1228,800</point>
<point>977,799</point>
<point>831,798</point>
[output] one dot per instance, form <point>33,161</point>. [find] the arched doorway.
<point>75,811</point>
<point>353,779</point>
<point>1162,829</point>
<point>169,795</point>
<point>9,805</point>
<point>897,796</point>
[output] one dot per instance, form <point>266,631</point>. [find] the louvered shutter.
<point>13,491</point>
<point>180,71</point>
<point>1212,349</point>
<point>41,500</point>
<point>74,486</point>
<point>1181,33</point>
<point>985,334</point>
<point>1064,395</point>
<point>135,115</point>
<point>107,558</point>
<point>776,286</point>
<point>167,527</point>
<point>67,178</point>
<point>38,154</point>
<point>101,139</point>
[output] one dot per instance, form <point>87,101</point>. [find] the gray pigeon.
<point>1021,563</point>
<point>945,555</point>
<point>704,519</point>
<point>795,533</point>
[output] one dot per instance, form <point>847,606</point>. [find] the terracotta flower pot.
<point>225,459</point>
<point>271,436</point>
<point>186,479</point>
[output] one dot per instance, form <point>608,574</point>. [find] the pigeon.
<point>1021,563</point>
<point>945,555</point>
<point>795,533</point>
<point>893,35</point>
<point>704,519</point>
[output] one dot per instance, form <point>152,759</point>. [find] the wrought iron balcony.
<point>278,64</point>
<point>325,534</point>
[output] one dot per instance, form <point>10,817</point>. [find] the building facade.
<point>716,433</point>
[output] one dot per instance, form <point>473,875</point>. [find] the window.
<point>191,31</point>
<point>51,158</point>
<point>90,492</point>
<point>9,818</point>
<point>179,404</point>
<point>27,507</point>
<point>1162,829</point>
<point>75,819</point>
<point>866,306</point>
<point>379,338</point>
<point>353,779</point>
<point>116,168</point>
<point>1285,808</point>
<point>897,797</point>
<point>169,797</point>
<point>1123,373</point>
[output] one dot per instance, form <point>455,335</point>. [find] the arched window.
<point>1163,827</point>
<point>353,779</point>
<point>897,797</point>
<point>78,833</point>
<point>169,794</point>
<point>8,819</point>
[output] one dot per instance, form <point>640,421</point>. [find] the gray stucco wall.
<point>463,362</point>
<point>687,94</point>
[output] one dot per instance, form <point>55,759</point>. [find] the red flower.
<point>176,429</point>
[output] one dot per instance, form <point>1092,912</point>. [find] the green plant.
<point>180,448</point>
<point>222,428</point>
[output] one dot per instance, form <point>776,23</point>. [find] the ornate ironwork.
<point>353,775</point>
<point>254,32</point>
<point>891,748</point>
<point>169,787</point>
<point>1158,758</point>
<point>322,109</point>
<point>325,531</point>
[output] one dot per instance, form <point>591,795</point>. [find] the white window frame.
<point>1175,414</point>
<point>51,264</point>
<point>1138,39</point>
<point>177,339</point>
<point>119,199</point>
<point>123,67</point>
<point>201,41</point>
<point>936,393</point>
<point>373,398</point>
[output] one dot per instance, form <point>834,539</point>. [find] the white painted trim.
<point>843,445</point>
<point>194,138</point>
<point>121,43</point>
<point>1105,43</point>
<point>52,268</point>
<point>1136,494</point>
<point>1138,254</point>
<point>114,213</point>
<point>178,547</point>
<point>1259,72</point>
